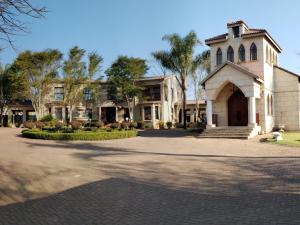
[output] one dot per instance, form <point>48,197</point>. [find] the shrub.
<point>133,125</point>
<point>141,125</point>
<point>65,129</point>
<point>47,118</point>
<point>50,129</point>
<point>125,125</point>
<point>169,124</point>
<point>148,126</point>
<point>75,125</point>
<point>99,124</point>
<point>40,125</point>
<point>58,125</point>
<point>29,125</point>
<point>115,125</point>
<point>80,135</point>
<point>161,125</point>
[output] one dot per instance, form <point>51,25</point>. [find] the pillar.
<point>24,116</point>
<point>209,113</point>
<point>252,111</point>
<point>99,113</point>
<point>117,119</point>
<point>153,116</point>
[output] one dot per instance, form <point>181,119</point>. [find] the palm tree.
<point>180,60</point>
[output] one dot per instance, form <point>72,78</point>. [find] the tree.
<point>11,14</point>
<point>199,72</point>
<point>74,77</point>
<point>122,78</point>
<point>31,76</point>
<point>4,92</point>
<point>93,83</point>
<point>180,60</point>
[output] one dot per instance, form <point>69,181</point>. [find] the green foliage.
<point>180,59</point>
<point>47,118</point>
<point>148,126</point>
<point>115,125</point>
<point>31,76</point>
<point>80,135</point>
<point>122,79</point>
<point>169,124</point>
<point>133,125</point>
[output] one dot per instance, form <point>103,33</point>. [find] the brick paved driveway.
<point>154,179</point>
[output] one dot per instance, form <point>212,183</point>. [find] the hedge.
<point>80,135</point>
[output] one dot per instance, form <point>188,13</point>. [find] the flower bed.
<point>79,135</point>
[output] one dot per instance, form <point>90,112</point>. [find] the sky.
<point>136,27</point>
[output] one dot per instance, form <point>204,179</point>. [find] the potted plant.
<point>161,125</point>
<point>169,124</point>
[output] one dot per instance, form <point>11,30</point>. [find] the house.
<point>247,87</point>
<point>161,102</point>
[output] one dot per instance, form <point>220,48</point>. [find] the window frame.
<point>242,53</point>
<point>230,54</point>
<point>219,57</point>
<point>61,93</point>
<point>253,52</point>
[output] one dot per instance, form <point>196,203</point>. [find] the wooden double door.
<point>237,109</point>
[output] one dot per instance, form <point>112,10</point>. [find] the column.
<point>117,119</point>
<point>153,116</point>
<point>252,111</point>
<point>209,113</point>
<point>24,116</point>
<point>99,113</point>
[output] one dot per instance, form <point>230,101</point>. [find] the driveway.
<point>160,178</point>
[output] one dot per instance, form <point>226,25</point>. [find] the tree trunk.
<point>184,108</point>
<point>71,112</point>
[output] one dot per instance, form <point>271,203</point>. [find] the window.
<point>87,92</point>
<point>242,53</point>
<point>147,113</point>
<point>230,54</point>
<point>89,113</point>
<point>219,57</point>
<point>253,52</point>
<point>236,32</point>
<point>156,112</point>
<point>59,93</point>
<point>58,113</point>
<point>271,105</point>
<point>152,93</point>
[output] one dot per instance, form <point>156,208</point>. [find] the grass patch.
<point>79,135</point>
<point>289,139</point>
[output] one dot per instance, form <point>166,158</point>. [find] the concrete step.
<point>229,137</point>
<point>227,132</point>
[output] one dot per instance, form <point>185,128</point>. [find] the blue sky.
<point>135,27</point>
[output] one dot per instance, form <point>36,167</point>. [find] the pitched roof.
<point>235,66</point>
<point>287,71</point>
<point>250,32</point>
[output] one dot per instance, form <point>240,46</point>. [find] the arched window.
<point>242,57</point>
<point>253,52</point>
<point>270,56</point>
<point>219,57</point>
<point>230,54</point>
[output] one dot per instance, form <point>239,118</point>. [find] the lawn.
<point>289,139</point>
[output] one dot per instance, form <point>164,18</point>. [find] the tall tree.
<point>4,92</point>
<point>93,82</point>
<point>122,78</point>
<point>12,12</point>
<point>31,76</point>
<point>200,70</point>
<point>180,60</point>
<point>74,77</point>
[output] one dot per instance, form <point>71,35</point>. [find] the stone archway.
<point>237,109</point>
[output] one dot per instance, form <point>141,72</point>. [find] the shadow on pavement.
<point>119,201</point>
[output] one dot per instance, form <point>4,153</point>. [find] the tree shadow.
<point>172,133</point>
<point>121,201</point>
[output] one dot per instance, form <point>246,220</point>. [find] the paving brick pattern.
<point>160,178</point>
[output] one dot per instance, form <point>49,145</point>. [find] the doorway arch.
<point>237,109</point>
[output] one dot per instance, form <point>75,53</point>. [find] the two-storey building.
<point>247,87</point>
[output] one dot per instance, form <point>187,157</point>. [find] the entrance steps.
<point>244,132</point>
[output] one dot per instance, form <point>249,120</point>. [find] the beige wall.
<point>287,99</point>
